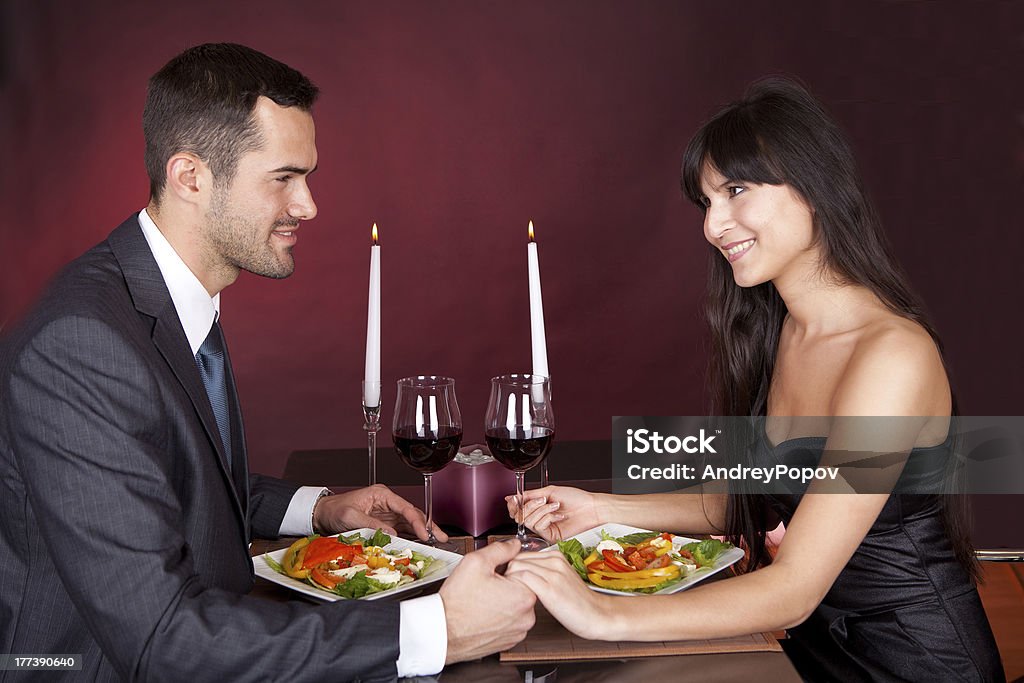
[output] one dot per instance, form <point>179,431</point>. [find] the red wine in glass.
<point>427,453</point>
<point>519,449</point>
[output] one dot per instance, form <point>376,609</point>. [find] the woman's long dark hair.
<point>779,134</point>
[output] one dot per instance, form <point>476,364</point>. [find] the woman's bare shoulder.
<point>895,369</point>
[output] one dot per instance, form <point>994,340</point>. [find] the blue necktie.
<point>210,360</point>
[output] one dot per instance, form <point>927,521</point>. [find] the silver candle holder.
<point>371,417</point>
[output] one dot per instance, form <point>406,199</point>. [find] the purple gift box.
<point>470,492</point>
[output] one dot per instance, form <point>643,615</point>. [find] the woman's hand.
<point>557,512</point>
<point>561,590</point>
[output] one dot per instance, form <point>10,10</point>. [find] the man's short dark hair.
<point>203,102</point>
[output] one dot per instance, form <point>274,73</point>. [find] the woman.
<point>812,322</point>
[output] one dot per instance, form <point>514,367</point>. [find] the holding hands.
<point>486,612</point>
<point>473,631</point>
<point>558,587</point>
<point>556,513</point>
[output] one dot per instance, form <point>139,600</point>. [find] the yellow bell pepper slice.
<point>377,562</point>
<point>624,584</point>
<point>592,557</point>
<point>292,560</point>
<point>668,572</point>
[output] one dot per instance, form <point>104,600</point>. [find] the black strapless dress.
<point>903,608</point>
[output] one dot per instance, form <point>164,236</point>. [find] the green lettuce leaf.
<point>575,553</point>
<point>376,586</point>
<point>634,539</point>
<point>351,539</point>
<point>273,564</point>
<point>379,538</point>
<point>419,557</point>
<point>355,587</point>
<point>707,551</point>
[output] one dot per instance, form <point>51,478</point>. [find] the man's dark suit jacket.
<point>123,533</point>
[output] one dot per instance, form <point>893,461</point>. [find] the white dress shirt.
<point>423,632</point>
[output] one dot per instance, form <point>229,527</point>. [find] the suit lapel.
<point>149,293</point>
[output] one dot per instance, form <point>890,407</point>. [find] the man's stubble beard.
<point>239,242</point>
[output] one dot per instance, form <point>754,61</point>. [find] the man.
<point>125,499</point>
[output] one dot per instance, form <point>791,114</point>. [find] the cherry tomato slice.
<point>637,560</point>
<point>660,561</point>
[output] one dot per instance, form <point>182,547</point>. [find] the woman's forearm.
<point>768,599</point>
<point>693,513</point>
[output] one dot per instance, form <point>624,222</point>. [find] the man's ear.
<point>188,178</point>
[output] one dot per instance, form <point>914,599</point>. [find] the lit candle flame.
<point>374,234</point>
<point>530,230</point>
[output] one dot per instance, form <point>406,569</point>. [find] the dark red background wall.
<point>451,124</point>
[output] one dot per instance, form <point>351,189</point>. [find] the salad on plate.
<point>645,561</point>
<point>351,566</point>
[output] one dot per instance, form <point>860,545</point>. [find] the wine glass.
<point>519,429</point>
<point>427,430</point>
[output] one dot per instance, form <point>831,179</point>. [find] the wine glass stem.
<point>521,501</point>
<point>428,504</point>
<point>371,449</point>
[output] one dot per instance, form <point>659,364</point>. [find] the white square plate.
<point>592,537</point>
<point>443,565</point>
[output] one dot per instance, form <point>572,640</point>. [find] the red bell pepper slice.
<point>324,579</point>
<point>323,549</point>
<point>614,563</point>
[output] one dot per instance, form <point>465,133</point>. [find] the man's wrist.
<point>298,518</point>
<point>422,636</point>
<point>312,515</point>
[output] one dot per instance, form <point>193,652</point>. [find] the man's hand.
<point>591,615</point>
<point>375,507</point>
<point>485,612</point>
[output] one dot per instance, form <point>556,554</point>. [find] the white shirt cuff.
<point>422,636</point>
<point>298,518</point>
